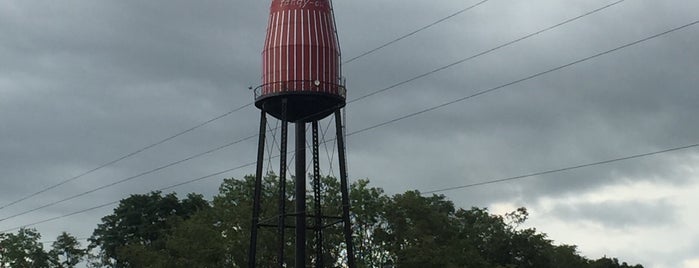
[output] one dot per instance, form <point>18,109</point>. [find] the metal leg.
<point>344,190</point>
<point>252,253</point>
<point>318,228</point>
<point>300,195</point>
<point>282,187</point>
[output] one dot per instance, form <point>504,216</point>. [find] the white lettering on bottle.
<point>302,3</point>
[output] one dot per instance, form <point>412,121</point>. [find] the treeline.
<point>403,230</point>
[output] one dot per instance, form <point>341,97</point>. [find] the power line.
<point>415,78</point>
<point>249,104</point>
<point>414,32</point>
<point>125,156</point>
<point>60,217</point>
<point>483,92</point>
<point>450,102</point>
<point>226,114</point>
<point>150,146</point>
<point>460,99</point>
<point>130,178</point>
<point>564,169</point>
<point>513,83</point>
<point>116,202</point>
<point>539,173</point>
<point>609,161</point>
<point>54,241</point>
<point>161,189</point>
<point>486,51</point>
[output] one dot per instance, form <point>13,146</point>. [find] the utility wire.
<point>116,202</point>
<point>609,161</point>
<point>465,98</point>
<point>130,178</point>
<point>60,217</point>
<point>449,102</point>
<point>125,156</point>
<point>434,107</point>
<point>483,92</point>
<point>414,32</point>
<point>636,156</point>
<point>564,169</point>
<point>54,241</point>
<point>161,189</point>
<point>415,78</point>
<point>486,51</point>
<point>150,146</point>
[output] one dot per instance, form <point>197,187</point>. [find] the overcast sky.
<point>83,83</point>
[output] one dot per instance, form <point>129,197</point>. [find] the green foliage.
<point>138,228</point>
<point>66,251</point>
<point>22,250</point>
<point>419,228</point>
<point>403,230</point>
<point>232,211</point>
<point>611,263</point>
<point>368,203</point>
<point>25,250</point>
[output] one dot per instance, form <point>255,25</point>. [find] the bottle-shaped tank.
<point>301,62</point>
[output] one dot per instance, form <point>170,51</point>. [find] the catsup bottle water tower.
<point>301,83</point>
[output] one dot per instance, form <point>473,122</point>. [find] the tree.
<point>605,262</point>
<point>368,203</point>
<point>66,251</point>
<point>405,230</point>
<point>231,214</point>
<point>419,228</point>
<point>138,224</point>
<point>22,250</point>
<point>567,256</point>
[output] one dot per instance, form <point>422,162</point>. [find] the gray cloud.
<point>619,214</point>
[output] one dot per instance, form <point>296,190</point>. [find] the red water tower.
<point>301,62</point>
<point>302,83</point>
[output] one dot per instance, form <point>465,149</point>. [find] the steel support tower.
<point>300,214</point>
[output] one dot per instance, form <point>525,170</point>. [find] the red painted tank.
<point>301,62</point>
